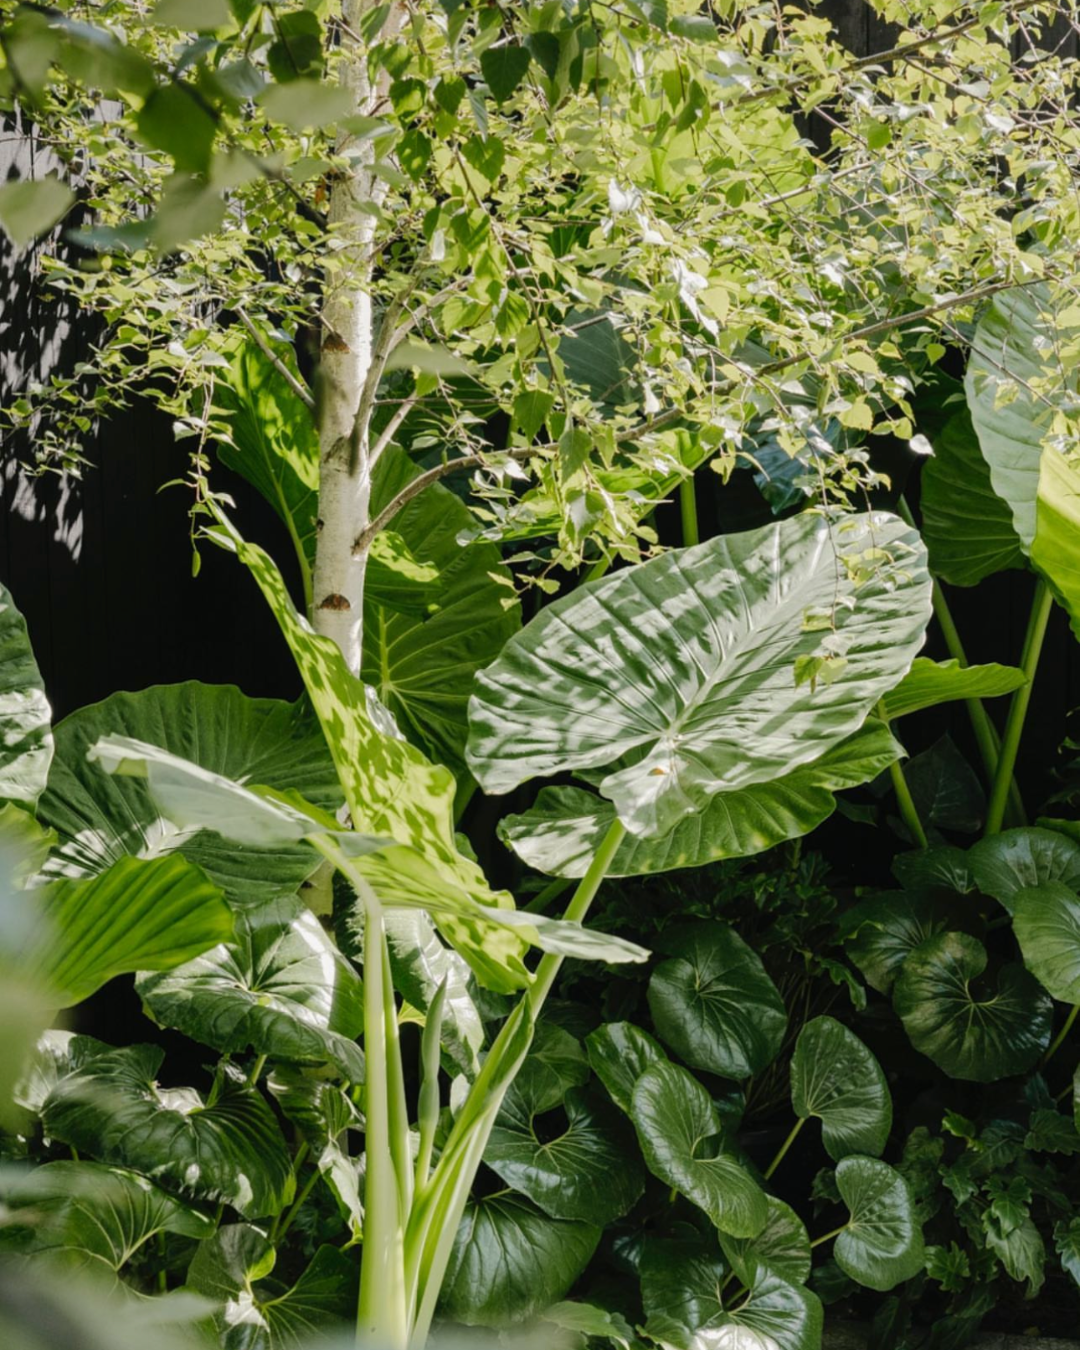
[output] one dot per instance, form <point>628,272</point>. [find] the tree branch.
<point>279,365</point>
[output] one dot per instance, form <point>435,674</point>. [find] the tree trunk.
<point>345,359</point>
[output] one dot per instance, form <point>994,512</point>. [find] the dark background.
<point>101,566</point>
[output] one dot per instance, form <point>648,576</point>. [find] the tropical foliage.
<point>573,260</point>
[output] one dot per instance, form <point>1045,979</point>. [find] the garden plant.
<point>523,1001</point>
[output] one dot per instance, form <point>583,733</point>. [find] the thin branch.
<point>387,434</point>
<point>279,365</point>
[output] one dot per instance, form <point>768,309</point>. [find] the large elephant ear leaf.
<point>972,1028</point>
<point>230,1151</point>
<point>422,664</point>
<point>967,527</point>
<point>100,817</point>
<point>510,1261</point>
<point>257,1313</point>
<point>882,1243</point>
<point>1046,921</point>
<point>1014,381</point>
<point>566,825</point>
<point>280,988</point>
<point>1013,860</point>
<point>139,914</point>
<point>690,675</point>
<point>26,742</point>
<point>835,1077</point>
<point>90,1215</point>
<point>713,1003</point>
<point>681,1138</point>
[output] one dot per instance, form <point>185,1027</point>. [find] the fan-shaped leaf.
<point>280,988</point>
<point>100,818</point>
<point>565,826</point>
<point>232,1151</point>
<point>91,1215</point>
<point>782,1245</point>
<point>882,1243</point>
<point>1015,859</point>
<point>1046,921</point>
<point>26,742</point>
<point>681,1137</point>
<point>713,1002</point>
<point>678,674</point>
<point>510,1261</point>
<point>970,1028</point>
<point>835,1077</point>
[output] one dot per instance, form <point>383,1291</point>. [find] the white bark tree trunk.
<point>345,359</point>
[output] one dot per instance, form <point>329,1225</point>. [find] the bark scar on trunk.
<point>334,602</point>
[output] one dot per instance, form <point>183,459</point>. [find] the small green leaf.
<point>306,105</point>
<point>324,1114</point>
<point>970,1027</point>
<point>835,1077</point>
<point>682,1139</point>
<point>487,156</point>
<point>175,120</point>
<point>714,1004</point>
<point>28,209</point>
<point>504,68</point>
<point>882,1243</point>
<point>776,1313</point>
<point>531,409</point>
<point>191,16</point>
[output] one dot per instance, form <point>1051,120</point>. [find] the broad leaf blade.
<point>1014,860</point>
<point>1046,921</point>
<point>929,683</point>
<point>835,1077</point>
<point>882,1244</point>
<point>26,742</point>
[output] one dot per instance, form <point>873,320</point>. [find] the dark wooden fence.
<point>101,565</point>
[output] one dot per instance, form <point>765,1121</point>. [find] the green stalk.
<point>904,800</point>
<point>688,512</point>
<point>395,1083</point>
<point>427,1113</point>
<point>825,1237</point>
<point>782,1151</point>
<point>540,901</point>
<point>381,1314</point>
<point>1055,1045</point>
<point>1041,605</point>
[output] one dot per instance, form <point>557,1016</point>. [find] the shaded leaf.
<point>26,742</point>
<point>835,1077</point>
<point>782,1245</point>
<point>882,1243</point>
<point>881,932</point>
<point>619,1054</point>
<point>1046,921</point>
<point>30,208</point>
<point>1013,860</point>
<point>929,683</point>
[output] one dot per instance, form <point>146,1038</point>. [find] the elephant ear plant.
<point>687,688</point>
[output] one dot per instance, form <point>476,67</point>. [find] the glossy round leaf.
<point>100,817</point>
<point>972,1028</point>
<point>882,931</point>
<point>945,866</point>
<point>1046,921</point>
<point>681,1280</point>
<point>681,1137</point>
<point>112,1109</point>
<point>680,672</point>
<point>280,988</point>
<point>882,1244</point>
<point>835,1077</point>
<point>777,1313</point>
<point>566,825</point>
<point>619,1054</point>
<point>26,741</point>
<point>783,1245</point>
<point>1014,859</point>
<point>713,1003</point>
<point>510,1261</point>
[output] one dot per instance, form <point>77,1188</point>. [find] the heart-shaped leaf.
<point>324,1114</point>
<point>619,1054</point>
<point>258,1313</point>
<point>970,1028</point>
<point>881,932</point>
<point>713,1003</point>
<point>139,914</point>
<point>232,1151</point>
<point>929,683</point>
<point>100,818</point>
<point>776,1313</point>
<point>91,1215</point>
<point>681,1283</point>
<point>783,1245</point>
<point>1014,859</point>
<point>835,1077</point>
<point>510,1261</point>
<point>26,742</point>
<point>280,988</point>
<point>682,1139</point>
<point>1046,921</point>
<point>566,825</point>
<point>679,674</point>
<point>945,866</point>
<point>561,1174</point>
<point>967,527</point>
<point>882,1243</point>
